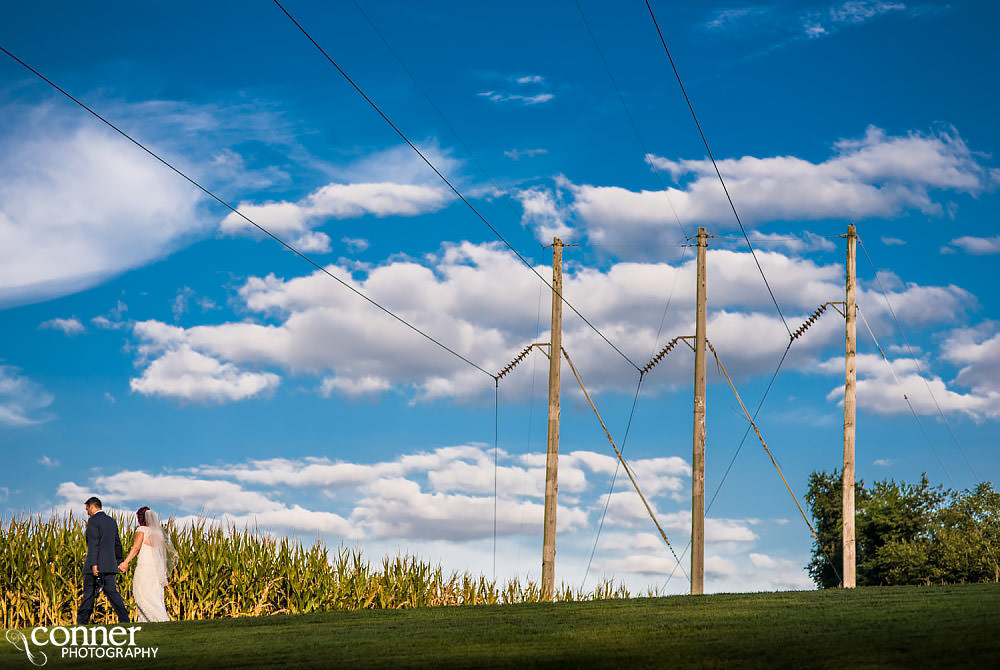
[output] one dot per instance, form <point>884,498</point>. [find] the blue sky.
<point>158,352</point>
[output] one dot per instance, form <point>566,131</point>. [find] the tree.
<point>907,534</point>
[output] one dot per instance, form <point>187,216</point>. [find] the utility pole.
<point>698,458</point>
<point>552,446</point>
<point>849,413</point>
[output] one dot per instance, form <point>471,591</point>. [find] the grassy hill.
<point>892,627</point>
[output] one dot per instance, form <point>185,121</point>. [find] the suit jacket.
<point>104,548</point>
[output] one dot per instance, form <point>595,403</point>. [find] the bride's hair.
<point>140,515</point>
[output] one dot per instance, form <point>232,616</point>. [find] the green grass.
<point>894,627</point>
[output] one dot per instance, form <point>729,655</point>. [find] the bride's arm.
<point>136,546</point>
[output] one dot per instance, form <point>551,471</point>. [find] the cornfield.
<point>232,572</point>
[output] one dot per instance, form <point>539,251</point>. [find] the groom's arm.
<point>119,554</point>
<point>93,544</point>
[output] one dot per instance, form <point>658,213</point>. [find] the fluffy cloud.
<point>439,504</point>
<point>885,388</point>
<point>71,326</point>
<point>21,400</point>
<point>877,175</point>
<point>188,375</point>
<point>453,296</point>
<point>393,182</point>
<point>977,245</point>
<point>78,205</point>
<point>337,201</point>
<point>542,213</point>
<point>223,501</point>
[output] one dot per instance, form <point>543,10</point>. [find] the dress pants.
<point>90,592</point>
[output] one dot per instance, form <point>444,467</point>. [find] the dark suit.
<point>104,549</point>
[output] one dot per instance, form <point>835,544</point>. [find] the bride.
<point>156,556</point>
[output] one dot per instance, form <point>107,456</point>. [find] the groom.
<point>104,553</point>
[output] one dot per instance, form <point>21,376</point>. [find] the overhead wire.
<point>447,181</point>
<point>631,119</point>
<point>732,461</point>
<point>243,216</point>
<point>430,101</point>
<point>496,458</point>
<point>715,165</point>
<point>746,433</point>
<point>920,423</point>
<point>774,462</point>
<point>686,249</point>
<point>916,360</point>
<point>611,489</point>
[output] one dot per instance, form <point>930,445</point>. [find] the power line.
<point>607,502</point>
<point>711,156</point>
<point>437,110</point>
<point>243,216</point>
<point>447,182</point>
<point>905,397</point>
<point>732,461</point>
<point>631,119</point>
<point>916,360</point>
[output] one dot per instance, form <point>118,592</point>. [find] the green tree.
<point>906,534</point>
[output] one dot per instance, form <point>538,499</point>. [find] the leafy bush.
<point>907,534</point>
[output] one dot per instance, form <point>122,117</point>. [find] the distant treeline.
<point>907,534</point>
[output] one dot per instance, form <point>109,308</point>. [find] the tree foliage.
<point>906,533</point>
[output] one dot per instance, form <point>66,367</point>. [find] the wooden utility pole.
<point>698,458</point>
<point>552,450</point>
<point>849,412</point>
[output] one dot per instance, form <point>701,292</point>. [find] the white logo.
<point>81,642</point>
<point>20,642</point>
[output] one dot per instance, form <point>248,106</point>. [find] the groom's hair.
<point>95,501</point>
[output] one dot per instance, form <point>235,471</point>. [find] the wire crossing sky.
<point>159,351</point>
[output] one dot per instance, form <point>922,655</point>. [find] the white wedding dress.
<point>151,572</point>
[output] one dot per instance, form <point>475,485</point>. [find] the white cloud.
<point>543,213</point>
<point>22,401</point>
<point>877,175</point>
<point>498,96</point>
<point>71,326</point>
<point>313,241</point>
<point>78,205</point>
<point>452,295</point>
<point>515,154</point>
<point>977,245</point>
<point>884,462</point>
<point>392,182</point>
<point>795,244</point>
<point>893,241</point>
<point>355,244</point>
<point>362,386</point>
<point>188,375</point>
<point>337,201</point>
<point>227,503</point>
<point>783,27</point>
<point>530,79</point>
<point>422,501</point>
<point>48,462</point>
<point>882,392</point>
